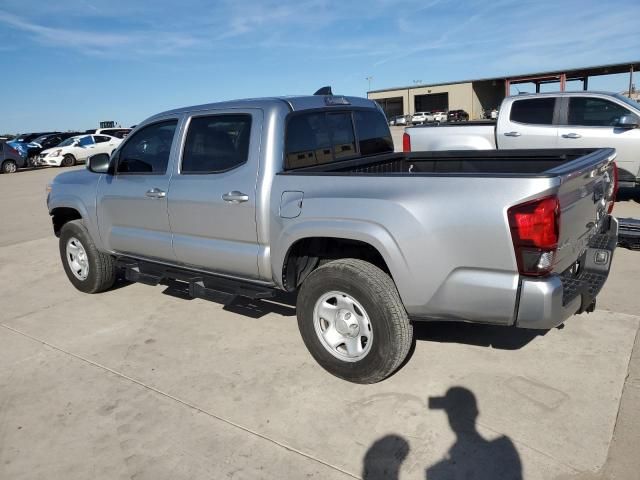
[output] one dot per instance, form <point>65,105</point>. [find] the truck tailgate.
<point>585,195</point>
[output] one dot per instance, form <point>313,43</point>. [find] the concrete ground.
<point>140,382</point>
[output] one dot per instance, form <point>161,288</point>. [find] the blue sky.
<point>67,64</point>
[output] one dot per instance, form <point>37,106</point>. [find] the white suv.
<point>78,149</point>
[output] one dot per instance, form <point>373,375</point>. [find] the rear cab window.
<point>326,136</point>
<point>533,111</point>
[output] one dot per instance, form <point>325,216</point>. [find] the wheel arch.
<point>301,249</point>
<point>62,215</point>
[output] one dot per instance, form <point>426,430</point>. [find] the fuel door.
<point>291,204</point>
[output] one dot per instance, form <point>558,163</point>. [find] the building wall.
<point>404,93</point>
<point>461,96</point>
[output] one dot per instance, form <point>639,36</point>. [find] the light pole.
<point>368,79</point>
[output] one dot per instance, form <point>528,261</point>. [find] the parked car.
<point>307,195</point>
<point>551,120</point>
<point>77,149</point>
<point>44,142</point>
<point>398,120</point>
<point>419,118</point>
<point>437,117</point>
<point>21,141</point>
<point>10,158</point>
<point>457,116</point>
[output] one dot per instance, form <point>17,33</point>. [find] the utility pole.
<point>368,79</point>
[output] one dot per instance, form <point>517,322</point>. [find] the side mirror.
<point>98,163</point>
<point>628,121</point>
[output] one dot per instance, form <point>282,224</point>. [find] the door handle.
<point>571,135</point>
<point>512,134</point>
<point>235,197</point>
<point>156,193</point>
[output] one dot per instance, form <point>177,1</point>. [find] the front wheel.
<point>353,322</point>
<point>9,166</point>
<point>88,269</point>
<point>68,161</point>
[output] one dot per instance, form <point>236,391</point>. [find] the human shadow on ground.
<point>471,457</point>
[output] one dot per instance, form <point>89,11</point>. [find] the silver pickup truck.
<point>305,194</point>
<point>548,120</point>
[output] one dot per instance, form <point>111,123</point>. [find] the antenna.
<point>324,91</point>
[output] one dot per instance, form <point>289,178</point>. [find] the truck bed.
<point>491,163</point>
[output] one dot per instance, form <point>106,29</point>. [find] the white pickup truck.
<point>548,120</point>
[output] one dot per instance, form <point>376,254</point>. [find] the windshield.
<point>632,103</point>
<point>40,139</point>
<point>67,142</point>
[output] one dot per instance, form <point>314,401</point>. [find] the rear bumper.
<point>547,302</point>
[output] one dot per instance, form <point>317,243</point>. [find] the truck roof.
<point>294,103</point>
<point>563,94</point>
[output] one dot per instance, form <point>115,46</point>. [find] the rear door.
<point>105,144</point>
<point>529,123</point>
<point>132,203</point>
<point>212,202</point>
<point>591,122</point>
<point>85,148</point>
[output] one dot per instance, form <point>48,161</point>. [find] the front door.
<point>212,200</point>
<point>591,123</point>
<point>132,203</point>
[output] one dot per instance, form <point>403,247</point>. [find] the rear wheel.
<point>68,160</point>
<point>88,269</point>
<point>352,321</point>
<point>9,166</point>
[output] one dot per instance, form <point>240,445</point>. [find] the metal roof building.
<point>477,96</point>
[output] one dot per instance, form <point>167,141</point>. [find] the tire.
<point>101,268</point>
<point>9,166</point>
<point>375,303</point>
<point>68,161</point>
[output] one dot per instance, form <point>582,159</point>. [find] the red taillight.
<point>406,142</point>
<point>535,229</point>
<point>614,194</point>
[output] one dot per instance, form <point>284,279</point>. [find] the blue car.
<point>20,142</point>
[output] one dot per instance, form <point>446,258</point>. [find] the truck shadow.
<point>495,336</point>
<point>626,194</point>
<point>284,304</point>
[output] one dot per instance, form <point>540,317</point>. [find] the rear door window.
<point>216,143</point>
<point>86,141</point>
<point>101,138</point>
<point>534,111</point>
<point>594,112</point>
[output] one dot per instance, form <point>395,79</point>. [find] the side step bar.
<point>208,287</point>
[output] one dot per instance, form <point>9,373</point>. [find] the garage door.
<point>433,102</point>
<point>391,106</point>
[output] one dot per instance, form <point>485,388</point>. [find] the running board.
<point>207,287</point>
